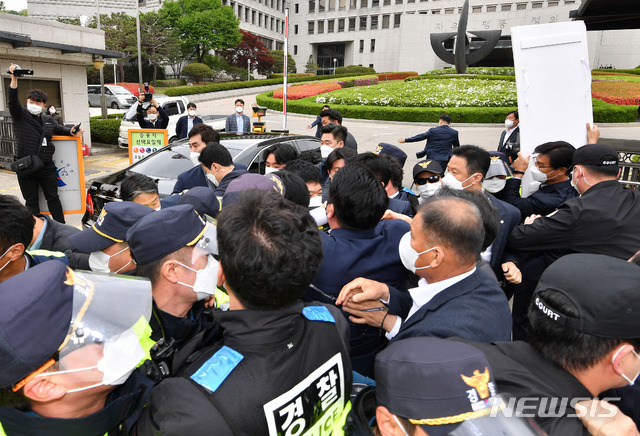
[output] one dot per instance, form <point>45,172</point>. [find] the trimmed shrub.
<point>308,90</point>
<point>281,75</point>
<point>490,71</point>
<point>104,131</point>
<point>461,76</point>
<point>360,81</point>
<point>170,83</point>
<point>355,69</point>
<point>396,76</point>
<point>197,71</point>
<point>635,71</point>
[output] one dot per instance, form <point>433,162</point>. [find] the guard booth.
<point>7,140</point>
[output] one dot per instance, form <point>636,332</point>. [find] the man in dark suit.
<point>329,116</point>
<point>359,245</point>
<point>510,139</point>
<point>238,122</point>
<point>158,118</point>
<point>186,122</point>
<point>440,141</point>
<point>453,299</point>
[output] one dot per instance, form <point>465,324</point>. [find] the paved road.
<point>368,134</point>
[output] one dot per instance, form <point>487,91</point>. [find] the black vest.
<point>295,379</point>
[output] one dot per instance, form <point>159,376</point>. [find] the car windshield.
<point>119,90</point>
<point>131,112</point>
<point>173,161</point>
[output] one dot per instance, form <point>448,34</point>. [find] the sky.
<point>15,5</point>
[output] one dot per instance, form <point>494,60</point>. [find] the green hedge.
<point>629,71</point>
<point>226,86</point>
<point>495,71</point>
<point>461,76</point>
<point>170,83</point>
<point>602,112</point>
<point>104,131</point>
<point>355,69</point>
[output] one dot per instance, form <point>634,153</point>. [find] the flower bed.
<point>429,93</point>
<point>135,88</point>
<point>308,90</point>
<point>360,81</point>
<point>396,76</point>
<point>616,91</point>
<point>281,75</point>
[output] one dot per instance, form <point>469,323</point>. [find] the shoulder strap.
<point>41,136</point>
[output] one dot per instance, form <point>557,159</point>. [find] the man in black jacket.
<point>158,118</point>
<point>34,129</point>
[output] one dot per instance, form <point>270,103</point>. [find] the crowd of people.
<point>328,298</point>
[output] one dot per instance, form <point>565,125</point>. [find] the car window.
<point>119,90</point>
<point>92,90</point>
<point>257,163</point>
<point>167,163</point>
<point>180,107</point>
<point>309,150</point>
<point>107,92</point>
<point>171,108</point>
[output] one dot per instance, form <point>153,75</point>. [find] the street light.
<point>335,65</point>
<point>248,70</point>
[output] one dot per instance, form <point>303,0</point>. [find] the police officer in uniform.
<point>281,366</point>
<point>69,345</point>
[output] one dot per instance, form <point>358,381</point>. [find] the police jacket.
<point>519,370</point>
<point>228,178</point>
<point>604,220</point>
<point>542,202</point>
<point>116,418</point>
<point>440,141</point>
<point>28,129</point>
<point>273,372</point>
<point>161,123</point>
<point>167,326</point>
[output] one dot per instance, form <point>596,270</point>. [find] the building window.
<point>435,11</point>
<point>296,8</point>
<point>260,19</point>
<point>536,5</point>
<point>320,27</point>
<point>273,20</point>
<point>330,26</point>
<point>353,4</point>
<point>278,4</point>
<point>505,8</point>
<point>373,46</point>
<point>521,6</point>
<point>341,25</point>
<point>352,24</point>
<point>398,2</point>
<point>448,11</point>
<point>312,6</point>
<point>476,9</point>
<point>363,23</point>
<point>569,2</point>
<point>253,17</point>
<point>364,3</point>
<point>362,46</point>
<point>278,26</point>
<point>411,1</point>
<point>321,4</point>
<point>491,8</point>
<point>295,49</point>
<point>311,26</point>
<point>240,11</point>
<point>246,14</point>
<point>396,20</point>
<point>370,65</point>
<point>386,2</point>
<point>343,4</point>
<point>295,29</point>
<point>374,22</point>
<point>552,4</point>
<point>375,3</point>
<point>385,21</point>
<point>332,5</point>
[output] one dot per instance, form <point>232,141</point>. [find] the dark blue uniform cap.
<point>429,165</point>
<point>35,314</point>
<point>251,181</point>
<point>392,150</point>
<point>203,200</point>
<point>424,379</point>
<point>111,226</point>
<point>604,289</point>
<point>163,232</point>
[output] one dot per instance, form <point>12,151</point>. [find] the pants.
<point>47,179</point>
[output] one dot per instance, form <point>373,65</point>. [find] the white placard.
<point>70,167</point>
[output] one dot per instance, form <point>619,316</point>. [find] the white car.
<point>175,108</point>
<point>117,96</point>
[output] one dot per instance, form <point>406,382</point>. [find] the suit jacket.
<point>440,141</point>
<point>513,137</point>
<point>56,235</point>
<point>350,142</point>
<point>181,126</point>
<point>190,179</point>
<point>509,218</point>
<point>231,126</point>
<point>475,308</point>
<point>161,123</point>
<point>542,202</point>
<point>237,171</point>
<point>399,205</point>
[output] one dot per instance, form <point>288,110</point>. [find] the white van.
<point>117,96</point>
<point>175,108</point>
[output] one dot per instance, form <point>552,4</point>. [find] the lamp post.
<point>248,70</point>
<point>335,65</point>
<point>139,49</point>
<point>103,98</point>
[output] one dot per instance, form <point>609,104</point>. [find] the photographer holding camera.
<point>34,152</point>
<point>155,121</point>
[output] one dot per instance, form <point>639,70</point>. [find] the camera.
<point>147,95</point>
<point>19,72</point>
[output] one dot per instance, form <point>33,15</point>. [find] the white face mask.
<point>192,113</point>
<point>623,375</point>
<point>269,170</point>
<point>5,265</point>
<point>52,110</point>
<point>206,278</point>
<point>451,182</point>
<point>34,108</point>
<point>153,117</point>
<point>325,151</point>
<point>494,184</point>
<point>408,255</point>
<point>99,261</point>
<point>212,179</point>
<point>428,189</point>
<point>239,109</point>
<point>508,124</point>
<point>120,357</point>
<point>315,201</point>
<point>194,155</point>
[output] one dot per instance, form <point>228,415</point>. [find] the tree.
<point>1,6</point>
<point>278,67</point>
<point>202,25</point>
<point>120,35</point>
<point>157,40</point>
<point>311,67</point>
<point>252,48</point>
<point>197,71</point>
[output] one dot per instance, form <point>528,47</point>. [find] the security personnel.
<point>281,366</point>
<point>69,345</point>
<point>105,241</point>
<point>171,248</point>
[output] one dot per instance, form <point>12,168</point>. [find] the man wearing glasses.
<point>427,178</point>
